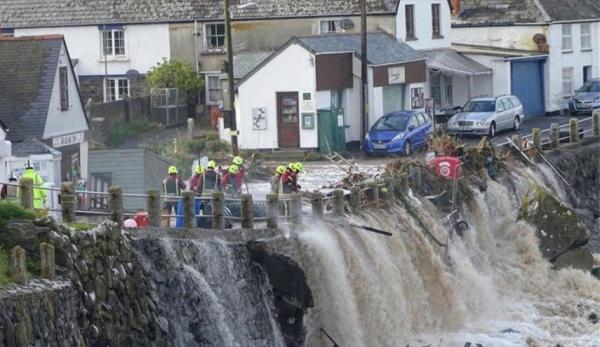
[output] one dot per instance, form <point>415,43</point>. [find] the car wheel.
<point>492,132</point>
<point>517,123</point>
<point>407,148</point>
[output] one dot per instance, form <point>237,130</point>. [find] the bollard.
<point>296,206</point>
<point>247,207</point>
<point>272,211</point>
<point>573,130</point>
<point>338,203</point>
<point>373,194</point>
<point>67,202</point>
<point>190,128</point>
<point>355,199</point>
<point>554,135</point>
<point>218,207</point>
<point>47,264</point>
<point>18,269</point>
<point>317,205</point>
<point>536,136</point>
<point>26,193</point>
<point>596,123</point>
<point>189,214</point>
<point>153,205</point>
<point>115,204</point>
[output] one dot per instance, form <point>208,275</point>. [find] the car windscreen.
<point>397,123</point>
<point>480,106</point>
<point>590,87</point>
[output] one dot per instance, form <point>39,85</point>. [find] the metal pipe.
<point>233,121</point>
<point>364,104</point>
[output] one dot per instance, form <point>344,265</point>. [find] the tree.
<point>176,74</point>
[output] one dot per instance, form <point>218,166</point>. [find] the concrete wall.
<point>423,24</point>
<point>260,90</point>
<point>576,58</point>
<point>146,45</point>
<point>510,37</point>
<point>71,120</point>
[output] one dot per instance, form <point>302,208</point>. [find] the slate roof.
<point>382,48</point>
<point>509,12</point>
<point>449,60</point>
<point>33,146</point>
<point>244,62</point>
<point>27,72</point>
<point>50,13</point>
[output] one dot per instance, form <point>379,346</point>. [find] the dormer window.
<point>328,26</point>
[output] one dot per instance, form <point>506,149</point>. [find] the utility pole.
<point>364,91</point>
<point>231,89</point>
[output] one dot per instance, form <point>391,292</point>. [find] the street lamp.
<point>233,122</point>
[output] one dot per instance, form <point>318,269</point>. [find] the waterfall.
<point>496,289</point>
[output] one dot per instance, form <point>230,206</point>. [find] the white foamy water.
<point>371,290</point>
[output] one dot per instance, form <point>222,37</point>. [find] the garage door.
<point>527,83</point>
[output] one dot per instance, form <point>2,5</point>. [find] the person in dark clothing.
<point>172,187</point>
<point>231,184</point>
<point>212,179</point>
<point>197,180</point>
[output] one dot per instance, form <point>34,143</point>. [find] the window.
<point>422,118</point>
<point>507,104</point>
<point>410,22</point>
<point>567,84</point>
<point>337,99</point>
<point>586,36</point>
<point>499,106</point>
<point>330,26</point>
<point>63,76</point>
<point>113,42</point>
<point>566,37</point>
<point>435,18</point>
<point>447,90</point>
<point>117,89</point>
<point>214,90</point>
<point>587,73</point>
<point>413,123</point>
<point>215,36</point>
<point>515,101</point>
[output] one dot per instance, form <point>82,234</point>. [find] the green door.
<point>332,131</point>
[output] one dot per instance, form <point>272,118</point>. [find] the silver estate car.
<point>487,116</point>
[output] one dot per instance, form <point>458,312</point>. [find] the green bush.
<point>118,134</point>
<point>80,226</point>
<point>9,211</point>
<point>4,269</point>
<point>176,74</point>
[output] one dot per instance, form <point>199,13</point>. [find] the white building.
<point>540,50</point>
<point>284,101</point>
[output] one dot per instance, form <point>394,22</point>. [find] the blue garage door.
<point>527,83</point>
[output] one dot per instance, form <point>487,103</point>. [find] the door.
<point>414,132</point>
<point>288,119</point>
<point>509,113</point>
<point>527,83</point>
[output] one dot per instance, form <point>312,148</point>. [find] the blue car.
<point>398,133</point>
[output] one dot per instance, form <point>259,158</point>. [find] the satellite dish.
<point>132,74</point>
<point>346,24</point>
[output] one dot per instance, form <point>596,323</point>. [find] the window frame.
<point>409,21</point>
<point>207,38</point>
<point>567,36</point>
<point>335,21</point>
<point>413,117</point>
<point>117,95</point>
<point>436,20</point>
<point>63,85</point>
<point>587,35</point>
<point>569,81</point>
<point>208,89</point>
<point>112,40</point>
<point>499,103</point>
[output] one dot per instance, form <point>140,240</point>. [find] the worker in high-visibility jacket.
<point>39,194</point>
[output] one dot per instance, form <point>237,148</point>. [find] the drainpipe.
<point>233,121</point>
<point>364,104</point>
<point>196,46</point>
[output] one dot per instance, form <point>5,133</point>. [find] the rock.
<point>510,331</point>
<point>593,317</point>
<point>596,272</point>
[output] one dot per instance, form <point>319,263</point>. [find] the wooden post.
<point>272,211</point>
<point>296,207</point>
<point>190,128</point>
<point>26,192</point>
<point>47,265</point>
<point>596,123</point>
<point>355,199</point>
<point>391,187</point>
<point>554,135</point>
<point>247,207</point>
<point>317,205</point>
<point>573,130</point>
<point>338,203</point>
<point>153,205</point>
<point>536,136</point>
<point>115,204</point>
<point>189,212</point>
<point>373,194</point>
<point>67,202</point>
<point>18,268</point>
<point>218,207</point>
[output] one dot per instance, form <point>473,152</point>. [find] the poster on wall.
<point>416,98</point>
<point>396,75</point>
<point>259,118</point>
<point>307,104</point>
<point>308,120</point>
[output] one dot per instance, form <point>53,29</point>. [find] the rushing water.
<point>495,289</point>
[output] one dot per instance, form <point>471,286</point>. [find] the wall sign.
<point>416,98</point>
<point>67,140</point>
<point>308,121</point>
<point>396,75</point>
<point>259,118</point>
<point>307,103</point>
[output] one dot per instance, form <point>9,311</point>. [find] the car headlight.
<point>597,100</point>
<point>479,123</point>
<point>399,136</point>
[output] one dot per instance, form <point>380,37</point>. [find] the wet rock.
<point>593,317</point>
<point>510,331</point>
<point>596,272</point>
